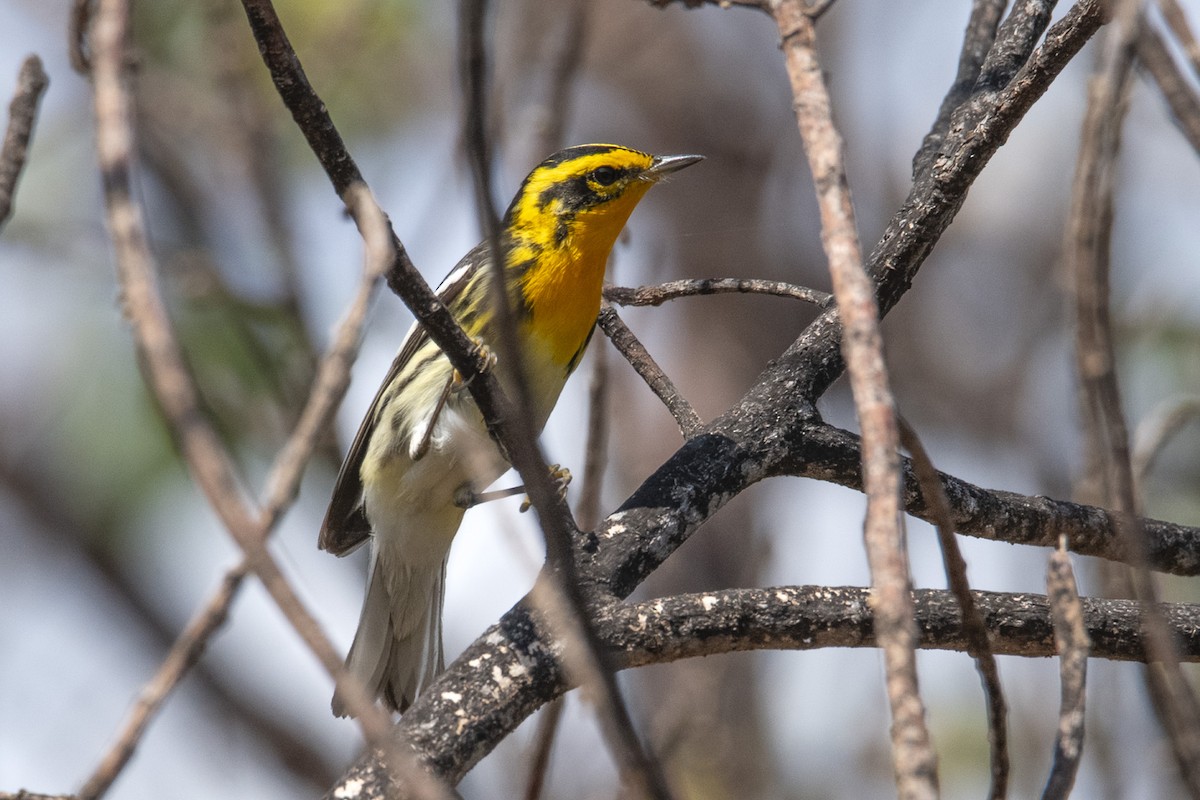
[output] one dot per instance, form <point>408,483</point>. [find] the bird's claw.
<point>485,361</point>
<point>561,477</point>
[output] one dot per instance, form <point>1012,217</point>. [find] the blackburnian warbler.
<point>423,446</point>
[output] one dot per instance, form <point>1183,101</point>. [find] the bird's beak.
<point>665,165</point>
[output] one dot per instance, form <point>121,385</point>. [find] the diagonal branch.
<point>628,345</point>
<point>166,373</point>
<point>979,647</point>
<point>22,113</point>
<point>329,385</point>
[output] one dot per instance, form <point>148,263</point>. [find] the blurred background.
<point>107,548</point>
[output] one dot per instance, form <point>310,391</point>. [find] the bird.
<point>423,451</point>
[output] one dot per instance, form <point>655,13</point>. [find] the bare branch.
<point>1182,101</point>
<point>913,758</point>
<point>587,507</point>
<point>540,762</point>
<point>667,629</point>
<point>644,364</point>
<point>332,377</point>
<point>1071,641</point>
<point>831,454</point>
<point>981,125</point>
<point>182,655</point>
<point>673,290</point>
<point>167,374</point>
<point>977,43</point>
<point>1156,432</point>
<point>1088,258</point>
<point>1177,20</point>
<point>1015,40</point>
<point>22,113</point>
<point>77,35</point>
<point>977,633</point>
<point>788,617</point>
<point>560,594</point>
<point>329,386</point>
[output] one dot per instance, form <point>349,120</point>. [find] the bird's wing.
<point>345,526</point>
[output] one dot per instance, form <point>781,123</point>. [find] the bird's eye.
<point>605,176</point>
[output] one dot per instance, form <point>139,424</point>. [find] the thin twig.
<point>167,375</point>
<point>673,290</point>
<point>329,385</point>
<point>547,730</point>
<point>560,597</point>
<point>186,650</point>
<point>22,113</point>
<point>1181,99</point>
<point>974,628</point>
<point>595,458</point>
<point>1071,641</point>
<point>635,353</point>
<point>563,65</point>
<point>1156,431</point>
<point>565,60</point>
<point>913,759</point>
<point>332,377</point>
<point>1088,257</point>
<point>77,35</point>
<point>1177,21</point>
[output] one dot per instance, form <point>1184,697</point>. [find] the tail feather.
<point>397,650</point>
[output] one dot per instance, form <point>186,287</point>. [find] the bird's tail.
<point>397,650</point>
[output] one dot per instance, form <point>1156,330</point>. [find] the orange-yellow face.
<point>561,228</point>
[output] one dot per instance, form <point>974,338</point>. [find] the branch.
<point>644,364</point>
<point>830,454</point>
<point>980,647</point>
<point>1071,641</point>
<point>329,386</point>
<point>1156,431</point>
<point>977,43</point>
<point>22,113</point>
<point>981,125</point>
<point>1181,99</point>
<point>1088,258</point>
<point>673,290</point>
<point>913,759</point>
<point>186,650</point>
<point>560,594</point>
<point>166,373</point>
<point>668,629</point>
<point>1177,21</point>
